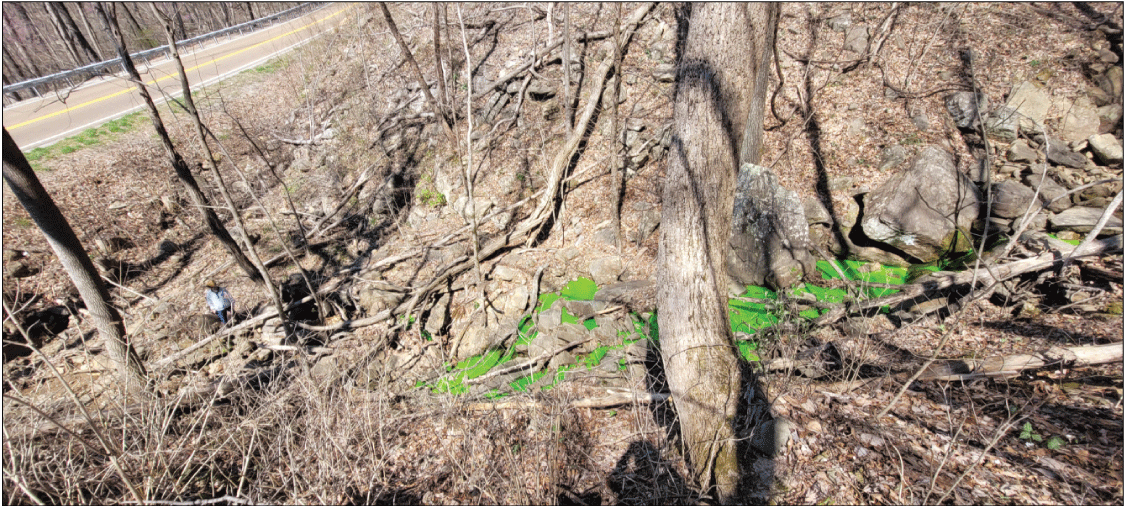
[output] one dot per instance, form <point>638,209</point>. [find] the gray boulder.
<point>841,22</point>
<point>539,90</point>
<point>769,234</point>
<point>1049,193</point>
<point>857,39</point>
<point>1032,103</point>
<point>962,107</point>
<point>1010,199</point>
<point>1106,148</point>
<point>919,211</point>
<point>1021,152</point>
<point>1083,219</point>
<point>815,211</point>
<point>477,339</point>
<point>1058,152</point>
<point>1003,124</point>
<point>1110,117</point>
<point>1080,120</point>
<point>892,156</point>
<point>637,295</point>
<point>1112,82</point>
<point>606,270</point>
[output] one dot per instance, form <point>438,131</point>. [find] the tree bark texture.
<point>717,81</point>
<point>178,164</point>
<point>50,220</point>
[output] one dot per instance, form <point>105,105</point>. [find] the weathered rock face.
<point>769,235</point>
<point>918,211</point>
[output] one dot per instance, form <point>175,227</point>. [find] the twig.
<point>615,397</point>
<point>1105,216</point>
<point>532,364</point>
<point>199,502</point>
<point>467,173</point>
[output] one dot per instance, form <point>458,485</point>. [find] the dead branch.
<point>539,55</point>
<point>529,366</point>
<point>565,155</point>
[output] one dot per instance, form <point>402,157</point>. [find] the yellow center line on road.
<point>170,76</point>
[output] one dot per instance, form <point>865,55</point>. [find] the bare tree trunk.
<point>178,163</point>
<point>250,10</point>
<point>170,29</point>
<point>725,45</point>
<point>46,215</point>
<point>616,163</point>
<point>471,207</point>
<point>55,63</point>
<point>568,101</point>
<point>132,21</point>
<point>180,32</point>
<point>79,46</point>
<point>60,30</point>
<point>90,30</point>
<point>438,111</point>
<point>437,58</point>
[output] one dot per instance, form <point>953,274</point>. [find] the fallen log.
<point>984,277</point>
<point>972,368</point>
<point>1012,365</point>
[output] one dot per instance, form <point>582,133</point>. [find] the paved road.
<point>42,121</point>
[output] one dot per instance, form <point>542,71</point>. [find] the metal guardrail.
<point>111,67</point>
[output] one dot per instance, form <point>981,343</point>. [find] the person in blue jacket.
<point>219,300</point>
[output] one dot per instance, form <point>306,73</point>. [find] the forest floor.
<point>1048,435</point>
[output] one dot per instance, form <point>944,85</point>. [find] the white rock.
<point>1106,148</point>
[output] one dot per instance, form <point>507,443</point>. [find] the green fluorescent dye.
<point>747,316</point>
<point>580,289</point>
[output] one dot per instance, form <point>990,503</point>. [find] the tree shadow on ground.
<point>381,497</point>
<point>1049,333</point>
<point>665,485</point>
<point>643,476</point>
<point>128,271</point>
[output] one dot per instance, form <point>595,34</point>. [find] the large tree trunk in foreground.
<point>726,46</point>
<point>46,215</point>
<point>178,163</point>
